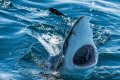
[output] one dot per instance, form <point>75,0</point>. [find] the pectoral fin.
<point>54,61</point>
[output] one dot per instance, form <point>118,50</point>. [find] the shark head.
<point>79,50</point>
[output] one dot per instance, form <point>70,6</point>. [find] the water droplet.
<point>10,53</point>
<point>90,9</point>
<point>91,14</point>
<point>93,3</point>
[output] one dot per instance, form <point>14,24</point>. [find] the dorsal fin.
<point>55,11</point>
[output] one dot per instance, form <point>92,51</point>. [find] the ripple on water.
<point>29,32</point>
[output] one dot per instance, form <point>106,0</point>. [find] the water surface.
<point>29,33</point>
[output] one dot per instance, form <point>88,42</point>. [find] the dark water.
<point>29,33</point>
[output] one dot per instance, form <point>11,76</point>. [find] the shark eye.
<point>73,32</point>
<point>66,43</point>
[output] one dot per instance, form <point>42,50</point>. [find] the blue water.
<point>29,33</point>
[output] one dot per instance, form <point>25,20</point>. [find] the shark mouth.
<point>84,56</point>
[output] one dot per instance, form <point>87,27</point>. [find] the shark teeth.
<point>84,56</point>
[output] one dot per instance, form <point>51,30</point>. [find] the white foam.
<point>45,44</point>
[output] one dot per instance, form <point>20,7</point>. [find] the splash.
<point>46,45</point>
<point>6,4</point>
<point>100,34</point>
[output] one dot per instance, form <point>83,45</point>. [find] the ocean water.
<point>29,32</point>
